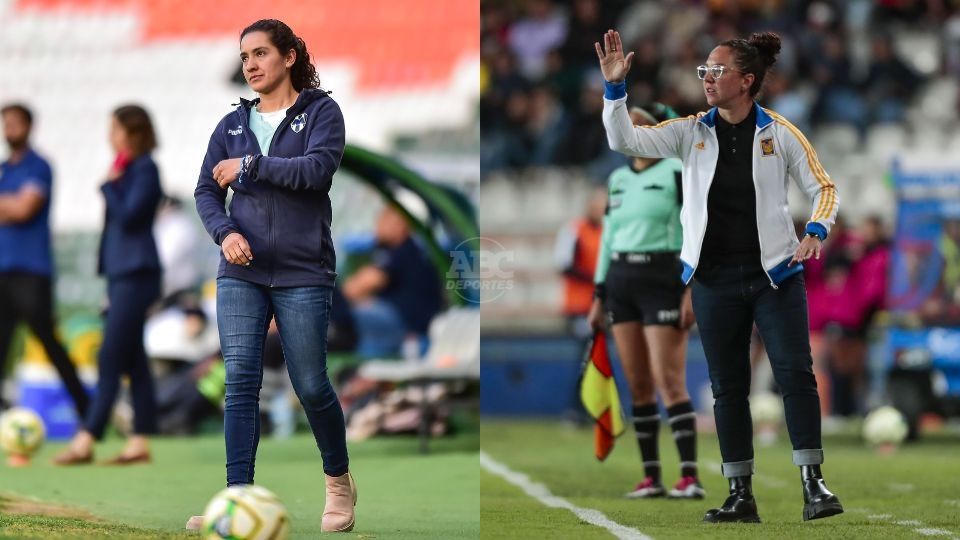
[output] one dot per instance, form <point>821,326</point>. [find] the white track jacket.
<point>780,152</point>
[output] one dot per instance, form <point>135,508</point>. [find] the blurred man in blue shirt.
<point>399,292</point>
<point>26,266</point>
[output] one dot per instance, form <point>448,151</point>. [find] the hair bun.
<point>767,44</point>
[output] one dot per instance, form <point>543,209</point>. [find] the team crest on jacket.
<point>298,122</point>
<point>766,146</point>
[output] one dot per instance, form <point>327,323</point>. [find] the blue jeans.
<point>727,300</point>
<point>381,329</point>
<point>244,311</point>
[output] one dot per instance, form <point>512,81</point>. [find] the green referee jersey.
<point>643,212</point>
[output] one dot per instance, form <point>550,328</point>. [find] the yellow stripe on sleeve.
<point>828,196</point>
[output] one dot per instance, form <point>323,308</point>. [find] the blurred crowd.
<point>846,290</point>
<point>541,91</point>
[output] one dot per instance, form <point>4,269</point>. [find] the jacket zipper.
<point>271,230</point>
<point>706,214</point>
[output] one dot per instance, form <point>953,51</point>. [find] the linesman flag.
<point>598,391</point>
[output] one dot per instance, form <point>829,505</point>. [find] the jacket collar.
<point>710,118</point>
<point>306,97</point>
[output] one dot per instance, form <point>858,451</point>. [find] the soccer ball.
<point>21,431</point>
<point>766,408</point>
<point>885,426</point>
<point>245,513</point>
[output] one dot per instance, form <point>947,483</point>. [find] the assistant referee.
<point>649,308</point>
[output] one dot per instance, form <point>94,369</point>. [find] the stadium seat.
<point>65,52</point>
<point>933,97</point>
<point>836,139</point>
<point>885,141</point>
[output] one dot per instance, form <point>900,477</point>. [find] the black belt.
<point>644,257</point>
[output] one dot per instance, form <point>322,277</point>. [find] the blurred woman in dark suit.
<point>129,260</point>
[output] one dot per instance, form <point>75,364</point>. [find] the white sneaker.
<point>687,487</point>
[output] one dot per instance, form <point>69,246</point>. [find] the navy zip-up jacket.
<point>282,204</point>
<point>127,245</point>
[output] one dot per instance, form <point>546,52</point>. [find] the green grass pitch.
<point>914,493</point>
<point>401,493</point>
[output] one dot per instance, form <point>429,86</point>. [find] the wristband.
<point>244,167</point>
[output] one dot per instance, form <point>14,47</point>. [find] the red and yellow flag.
<point>598,391</point>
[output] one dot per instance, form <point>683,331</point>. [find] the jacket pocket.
<point>299,234</point>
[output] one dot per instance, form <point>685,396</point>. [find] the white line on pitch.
<point>927,531</point>
<point>917,525</point>
<point>541,493</point>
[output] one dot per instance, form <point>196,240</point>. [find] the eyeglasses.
<point>715,71</point>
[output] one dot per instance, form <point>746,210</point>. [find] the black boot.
<point>818,502</point>
<point>740,506</point>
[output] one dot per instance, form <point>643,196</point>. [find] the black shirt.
<point>732,203</point>
<point>413,286</point>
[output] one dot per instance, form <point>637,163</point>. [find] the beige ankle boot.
<point>338,514</point>
<point>194,523</point>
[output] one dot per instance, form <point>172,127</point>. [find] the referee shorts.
<point>645,288</point>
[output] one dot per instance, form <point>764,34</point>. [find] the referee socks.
<point>683,423</point>
<point>646,421</point>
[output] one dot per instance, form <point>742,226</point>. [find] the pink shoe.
<point>647,489</point>
<point>687,487</point>
<point>338,512</point>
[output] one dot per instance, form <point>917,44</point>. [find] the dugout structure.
<point>451,210</point>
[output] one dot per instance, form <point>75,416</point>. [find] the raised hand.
<point>612,62</point>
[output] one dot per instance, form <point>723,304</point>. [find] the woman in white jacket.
<point>739,245</point>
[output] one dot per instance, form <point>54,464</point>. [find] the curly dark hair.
<point>303,74</point>
<point>755,55</point>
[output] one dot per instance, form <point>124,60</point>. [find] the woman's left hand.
<point>809,247</point>
<point>226,171</point>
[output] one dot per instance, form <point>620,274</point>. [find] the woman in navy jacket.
<point>278,154</point>
<point>128,258</point>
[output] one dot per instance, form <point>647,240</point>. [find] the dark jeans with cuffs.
<point>244,311</point>
<point>728,298</point>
